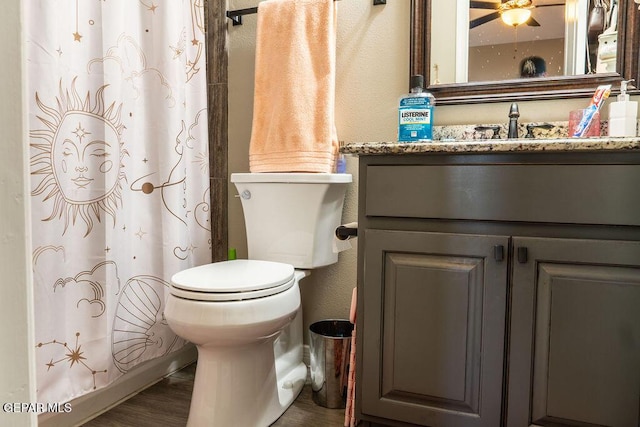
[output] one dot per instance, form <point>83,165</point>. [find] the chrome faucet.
<point>513,121</point>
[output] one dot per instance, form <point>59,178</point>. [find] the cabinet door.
<point>433,328</point>
<point>574,348</point>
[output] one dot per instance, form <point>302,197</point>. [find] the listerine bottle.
<point>415,113</point>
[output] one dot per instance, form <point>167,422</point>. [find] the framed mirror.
<point>575,75</point>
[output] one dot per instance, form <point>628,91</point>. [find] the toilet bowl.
<point>244,316</point>
<point>234,311</point>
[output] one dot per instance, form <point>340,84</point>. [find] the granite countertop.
<point>494,146</point>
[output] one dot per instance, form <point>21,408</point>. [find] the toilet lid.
<point>233,280</point>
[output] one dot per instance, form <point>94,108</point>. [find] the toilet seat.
<point>233,280</point>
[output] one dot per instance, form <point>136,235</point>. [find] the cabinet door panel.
<point>580,301</point>
<point>431,308</point>
<point>433,335</point>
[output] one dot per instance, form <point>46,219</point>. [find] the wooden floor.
<point>167,404</point>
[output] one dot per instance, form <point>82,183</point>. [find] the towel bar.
<point>236,15</point>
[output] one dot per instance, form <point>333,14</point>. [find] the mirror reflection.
<point>504,40</point>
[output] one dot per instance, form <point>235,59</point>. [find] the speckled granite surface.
<point>494,146</point>
<point>467,139</point>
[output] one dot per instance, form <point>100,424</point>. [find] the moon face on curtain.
<point>78,157</point>
<point>139,325</point>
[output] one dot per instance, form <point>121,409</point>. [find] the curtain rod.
<point>236,15</point>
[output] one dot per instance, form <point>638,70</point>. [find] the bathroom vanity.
<point>499,283</point>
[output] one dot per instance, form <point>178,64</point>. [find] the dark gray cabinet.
<point>574,356</point>
<point>490,303</point>
<point>437,354</point>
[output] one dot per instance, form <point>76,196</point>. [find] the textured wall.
<point>17,382</point>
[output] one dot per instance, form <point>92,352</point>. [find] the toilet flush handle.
<point>246,194</point>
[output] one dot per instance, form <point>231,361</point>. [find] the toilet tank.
<point>292,217</point>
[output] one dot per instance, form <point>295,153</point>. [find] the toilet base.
<point>289,388</point>
<point>221,397</point>
<point>250,366</point>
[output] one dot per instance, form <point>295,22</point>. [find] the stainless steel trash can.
<point>329,348</point>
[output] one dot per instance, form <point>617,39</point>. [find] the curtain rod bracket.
<point>236,15</point>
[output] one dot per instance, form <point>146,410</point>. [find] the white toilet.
<point>244,316</point>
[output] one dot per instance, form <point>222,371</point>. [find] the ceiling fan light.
<point>515,17</point>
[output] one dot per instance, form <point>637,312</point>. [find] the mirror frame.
<point>529,89</point>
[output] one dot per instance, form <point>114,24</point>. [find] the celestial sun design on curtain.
<point>120,188</point>
<point>80,158</point>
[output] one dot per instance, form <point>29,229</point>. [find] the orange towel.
<point>293,126</point>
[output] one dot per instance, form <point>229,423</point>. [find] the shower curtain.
<point>119,180</point>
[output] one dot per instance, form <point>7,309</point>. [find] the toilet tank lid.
<point>239,275</point>
<point>299,177</point>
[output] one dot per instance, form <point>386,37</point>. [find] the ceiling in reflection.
<point>496,32</point>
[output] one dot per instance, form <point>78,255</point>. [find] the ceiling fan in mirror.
<point>512,12</point>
